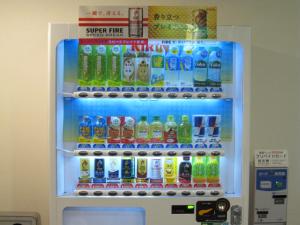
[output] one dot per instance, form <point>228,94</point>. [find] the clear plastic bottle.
<point>156,130</point>
<point>170,131</point>
<point>185,131</point>
<point>142,131</point>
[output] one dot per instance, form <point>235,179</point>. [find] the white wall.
<point>24,161</point>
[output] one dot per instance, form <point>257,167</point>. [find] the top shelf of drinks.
<point>155,68</point>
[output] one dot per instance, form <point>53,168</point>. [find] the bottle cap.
<point>143,118</point>
<point>170,118</point>
<point>185,118</point>
<point>186,158</point>
<point>156,118</point>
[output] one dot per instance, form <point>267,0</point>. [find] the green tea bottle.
<point>114,78</point>
<point>185,131</point>
<point>86,66</point>
<point>100,63</point>
<point>199,169</point>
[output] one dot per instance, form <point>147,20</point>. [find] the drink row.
<point>169,170</point>
<point>124,129</point>
<point>157,66</point>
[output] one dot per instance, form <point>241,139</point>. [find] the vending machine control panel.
<point>271,182</point>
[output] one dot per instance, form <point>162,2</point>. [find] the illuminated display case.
<point>136,170</point>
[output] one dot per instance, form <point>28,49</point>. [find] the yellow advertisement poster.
<point>180,22</point>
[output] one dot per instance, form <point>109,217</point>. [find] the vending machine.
<point>149,118</point>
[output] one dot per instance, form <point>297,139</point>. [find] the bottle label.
<point>157,61</point>
<point>171,135</point>
<point>187,63</point>
<point>85,132</point>
<point>172,63</point>
<point>156,134</point>
<point>142,134</point>
<point>128,69</point>
<point>156,169</point>
<point>127,168</point>
<point>143,70</point>
<point>99,168</point>
<point>142,168</point>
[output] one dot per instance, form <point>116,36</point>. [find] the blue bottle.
<point>172,67</point>
<point>99,130</point>
<point>85,130</point>
<point>186,67</point>
<point>214,67</point>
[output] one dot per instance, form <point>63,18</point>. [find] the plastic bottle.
<point>214,67</point>
<point>142,131</point>
<point>185,170</point>
<point>170,130</point>
<point>172,67</point>
<point>156,130</point>
<point>128,73</point>
<point>99,78</point>
<point>142,68</point>
<point>99,130</point>
<point>186,67</point>
<point>170,170</point>
<point>199,169</point>
<point>114,73</point>
<point>213,169</point>
<point>157,67</point>
<point>185,131</point>
<point>85,130</point>
<point>200,67</point>
<point>86,64</point>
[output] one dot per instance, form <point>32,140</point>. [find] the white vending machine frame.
<point>158,209</point>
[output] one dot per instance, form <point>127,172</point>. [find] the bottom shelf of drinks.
<point>140,176</point>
